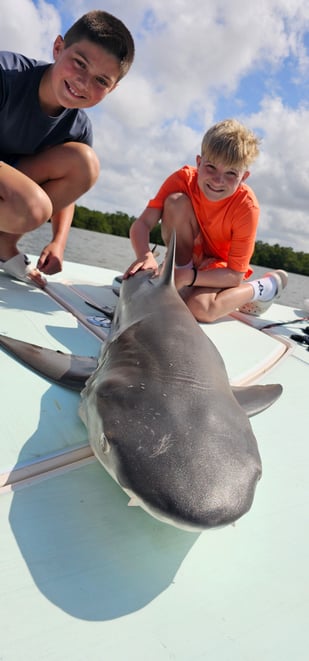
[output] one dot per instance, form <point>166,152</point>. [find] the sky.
<point>196,63</point>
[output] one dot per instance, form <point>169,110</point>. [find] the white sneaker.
<point>258,307</point>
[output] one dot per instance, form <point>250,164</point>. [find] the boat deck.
<point>83,575</point>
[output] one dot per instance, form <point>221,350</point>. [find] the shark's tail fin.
<point>167,275</point>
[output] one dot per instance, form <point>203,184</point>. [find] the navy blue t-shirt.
<point>24,127</point>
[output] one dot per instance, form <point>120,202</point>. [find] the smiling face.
<point>81,76</point>
<point>218,181</point>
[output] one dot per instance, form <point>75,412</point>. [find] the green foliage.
<point>109,223</point>
<point>118,223</point>
<point>277,257</point>
<point>155,236</point>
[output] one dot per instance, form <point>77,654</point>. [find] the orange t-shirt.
<point>228,227</point>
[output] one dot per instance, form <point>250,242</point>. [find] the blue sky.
<point>196,63</point>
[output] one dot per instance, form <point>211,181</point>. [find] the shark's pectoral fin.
<point>66,369</point>
<point>254,399</point>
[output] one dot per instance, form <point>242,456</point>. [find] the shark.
<point>161,415</point>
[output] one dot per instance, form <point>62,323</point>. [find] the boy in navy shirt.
<point>46,156</point>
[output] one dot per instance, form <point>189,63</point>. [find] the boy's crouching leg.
<point>178,214</point>
<point>202,305</point>
<point>83,167</point>
<point>24,206</point>
<point>65,172</point>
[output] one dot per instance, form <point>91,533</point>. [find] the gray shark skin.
<point>161,415</point>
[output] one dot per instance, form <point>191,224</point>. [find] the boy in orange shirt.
<point>215,215</point>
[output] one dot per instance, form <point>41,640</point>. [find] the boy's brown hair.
<point>106,30</point>
<point>231,143</point>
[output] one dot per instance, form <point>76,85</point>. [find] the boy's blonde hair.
<point>230,143</point>
<point>107,31</point>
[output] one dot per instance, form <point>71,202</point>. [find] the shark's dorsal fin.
<point>167,275</point>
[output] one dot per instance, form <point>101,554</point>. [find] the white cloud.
<point>281,175</point>
<point>29,28</point>
<point>187,56</point>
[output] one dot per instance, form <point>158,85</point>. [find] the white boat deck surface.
<point>85,577</point>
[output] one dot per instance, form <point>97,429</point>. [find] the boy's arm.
<point>51,258</point>
<point>223,278</point>
<point>139,235</point>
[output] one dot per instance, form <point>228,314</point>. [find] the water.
<point>114,252</point>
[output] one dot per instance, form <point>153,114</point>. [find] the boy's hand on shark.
<point>146,263</point>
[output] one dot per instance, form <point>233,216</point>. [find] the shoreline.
<point>116,253</point>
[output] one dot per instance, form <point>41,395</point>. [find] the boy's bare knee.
<point>177,209</point>
<point>173,199</point>
<point>203,309</point>
<point>86,165</point>
<point>40,208</point>
<point>91,164</point>
<point>30,211</point>
<point>175,204</point>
